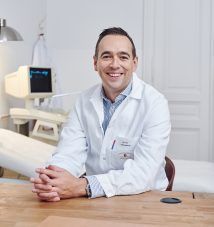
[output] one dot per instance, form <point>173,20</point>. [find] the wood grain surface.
<point>19,207</point>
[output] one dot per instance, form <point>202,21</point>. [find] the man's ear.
<point>95,63</point>
<point>135,63</point>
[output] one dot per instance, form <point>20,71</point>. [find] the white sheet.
<point>194,176</point>
<point>22,154</point>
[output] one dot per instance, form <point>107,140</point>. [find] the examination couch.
<point>23,154</point>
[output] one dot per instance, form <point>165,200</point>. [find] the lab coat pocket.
<point>122,149</point>
<point>124,144</point>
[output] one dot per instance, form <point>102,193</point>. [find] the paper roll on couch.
<point>23,154</point>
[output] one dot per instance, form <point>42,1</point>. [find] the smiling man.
<point>115,62</point>
<point>115,140</point>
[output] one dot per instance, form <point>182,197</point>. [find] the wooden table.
<point>19,207</point>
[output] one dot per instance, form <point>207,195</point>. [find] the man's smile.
<point>114,75</point>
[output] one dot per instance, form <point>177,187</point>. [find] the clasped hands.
<point>55,183</point>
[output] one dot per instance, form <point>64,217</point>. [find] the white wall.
<point>24,16</point>
<point>73,27</point>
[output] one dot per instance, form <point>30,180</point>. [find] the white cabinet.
<point>178,61</point>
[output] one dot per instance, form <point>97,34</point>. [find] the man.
<point>117,133</point>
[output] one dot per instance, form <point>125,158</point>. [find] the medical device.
<point>34,85</point>
<point>30,83</point>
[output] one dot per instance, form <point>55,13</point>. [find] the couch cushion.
<point>194,176</point>
<point>23,154</point>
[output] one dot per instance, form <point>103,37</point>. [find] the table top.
<point>19,207</point>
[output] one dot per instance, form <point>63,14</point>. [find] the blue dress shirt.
<point>109,108</point>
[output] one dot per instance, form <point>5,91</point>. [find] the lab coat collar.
<point>137,87</point>
<point>136,91</point>
<point>97,100</point>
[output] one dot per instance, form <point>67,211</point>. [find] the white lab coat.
<point>129,158</point>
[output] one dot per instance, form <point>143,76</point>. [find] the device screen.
<point>40,80</point>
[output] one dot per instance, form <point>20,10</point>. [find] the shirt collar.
<point>123,94</point>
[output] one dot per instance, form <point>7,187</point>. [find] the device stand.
<point>47,130</point>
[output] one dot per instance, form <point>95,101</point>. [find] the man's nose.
<point>115,62</point>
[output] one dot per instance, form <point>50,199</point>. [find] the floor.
<point>13,175</point>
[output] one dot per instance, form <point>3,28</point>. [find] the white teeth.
<point>114,74</point>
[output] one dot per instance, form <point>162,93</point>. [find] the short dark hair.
<point>114,31</point>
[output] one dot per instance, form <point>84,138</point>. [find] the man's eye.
<point>106,56</point>
<point>124,57</point>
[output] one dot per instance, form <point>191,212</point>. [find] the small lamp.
<point>8,33</point>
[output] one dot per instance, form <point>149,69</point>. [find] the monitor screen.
<point>40,80</point>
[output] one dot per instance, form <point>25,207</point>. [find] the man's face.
<point>115,63</point>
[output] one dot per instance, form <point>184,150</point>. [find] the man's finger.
<point>49,198</point>
<point>55,168</point>
<point>36,180</point>
<point>47,195</point>
<point>43,187</point>
<point>44,178</point>
<point>48,172</point>
<point>35,190</point>
<point>55,199</point>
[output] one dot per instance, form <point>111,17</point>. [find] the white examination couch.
<point>194,176</point>
<point>23,154</point>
